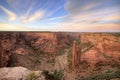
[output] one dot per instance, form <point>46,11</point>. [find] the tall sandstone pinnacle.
<point>76,55</point>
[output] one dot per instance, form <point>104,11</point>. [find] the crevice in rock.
<point>12,60</point>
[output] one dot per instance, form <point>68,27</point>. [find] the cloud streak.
<point>92,15</point>
<point>52,12</point>
<point>37,15</point>
<point>66,15</point>
<point>11,15</point>
<point>55,18</point>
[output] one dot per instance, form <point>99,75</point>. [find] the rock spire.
<point>76,55</point>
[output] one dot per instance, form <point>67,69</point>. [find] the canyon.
<point>77,54</point>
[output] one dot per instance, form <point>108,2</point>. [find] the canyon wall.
<point>7,42</point>
<point>93,47</point>
<point>1,52</point>
<point>105,49</point>
<point>50,42</point>
<point>32,43</point>
<point>98,38</point>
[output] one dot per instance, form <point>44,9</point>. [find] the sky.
<point>60,15</point>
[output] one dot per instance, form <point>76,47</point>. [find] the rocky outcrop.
<point>20,73</point>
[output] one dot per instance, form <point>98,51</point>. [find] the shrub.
<point>56,75</point>
<point>31,76</point>
<point>107,75</point>
<point>51,60</point>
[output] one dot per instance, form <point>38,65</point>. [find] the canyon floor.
<point>49,56</point>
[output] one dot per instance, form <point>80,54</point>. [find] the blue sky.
<point>60,15</point>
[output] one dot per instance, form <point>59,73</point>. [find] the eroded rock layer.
<point>13,43</point>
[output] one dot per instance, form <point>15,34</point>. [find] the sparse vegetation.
<point>55,75</point>
<point>51,61</point>
<point>60,52</point>
<point>86,46</point>
<point>107,76</point>
<point>116,34</point>
<point>84,64</point>
<point>31,76</point>
<point>69,58</point>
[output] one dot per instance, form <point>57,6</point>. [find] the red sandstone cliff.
<point>105,50</point>
<point>7,43</point>
<point>1,52</point>
<point>50,42</point>
<point>105,47</point>
<point>26,43</point>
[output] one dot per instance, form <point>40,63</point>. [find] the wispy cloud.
<point>31,10</point>
<point>92,15</point>
<point>29,18</point>
<point>20,6</point>
<point>74,15</point>
<point>88,9</point>
<point>39,14</point>
<point>55,18</point>
<point>36,15</point>
<point>27,11</point>
<point>11,15</point>
<point>52,12</point>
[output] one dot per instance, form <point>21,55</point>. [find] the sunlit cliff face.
<point>62,15</point>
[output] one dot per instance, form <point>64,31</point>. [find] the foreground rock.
<point>20,73</point>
